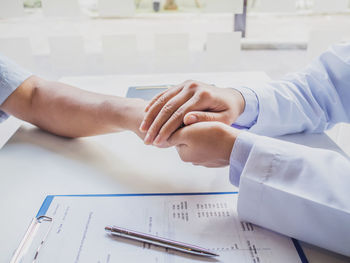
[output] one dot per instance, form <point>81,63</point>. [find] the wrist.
<point>235,103</point>
<point>132,113</point>
<point>239,101</point>
<point>229,137</point>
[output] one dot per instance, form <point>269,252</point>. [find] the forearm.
<point>72,112</point>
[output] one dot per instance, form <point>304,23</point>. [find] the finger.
<point>156,107</point>
<point>165,113</point>
<point>165,144</point>
<point>201,116</point>
<point>178,138</point>
<point>180,86</point>
<point>154,99</point>
<point>176,120</point>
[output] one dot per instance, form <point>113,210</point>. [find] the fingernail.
<point>157,140</point>
<point>192,119</point>
<point>142,126</point>
<point>147,139</point>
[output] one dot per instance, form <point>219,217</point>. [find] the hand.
<point>205,143</point>
<point>188,103</point>
<point>133,113</point>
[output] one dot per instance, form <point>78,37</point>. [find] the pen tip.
<point>108,228</point>
<point>213,254</point>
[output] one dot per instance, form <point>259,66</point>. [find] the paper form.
<point>209,221</point>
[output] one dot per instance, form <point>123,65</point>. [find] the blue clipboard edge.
<point>300,251</point>
<point>48,200</point>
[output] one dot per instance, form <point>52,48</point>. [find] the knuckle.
<point>178,114</point>
<point>167,108</point>
<point>209,117</point>
<point>191,85</point>
<point>162,99</point>
<point>204,94</point>
<point>171,90</point>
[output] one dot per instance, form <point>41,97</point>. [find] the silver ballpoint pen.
<point>159,241</point>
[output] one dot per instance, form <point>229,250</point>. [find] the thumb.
<point>201,116</point>
<point>177,138</point>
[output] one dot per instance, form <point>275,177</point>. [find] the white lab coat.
<point>299,191</point>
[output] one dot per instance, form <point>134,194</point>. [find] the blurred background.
<point>55,38</point>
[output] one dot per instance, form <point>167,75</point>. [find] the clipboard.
<point>35,238</point>
<point>146,92</point>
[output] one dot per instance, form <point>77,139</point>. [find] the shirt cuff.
<point>3,116</point>
<point>239,155</point>
<point>11,77</point>
<point>250,114</point>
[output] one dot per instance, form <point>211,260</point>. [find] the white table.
<point>34,163</point>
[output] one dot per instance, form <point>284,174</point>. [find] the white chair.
<point>280,6</point>
<point>223,6</point>
<point>222,50</point>
<point>11,8</point>
<point>116,8</point>
<point>60,8</point>
<point>120,53</point>
<point>171,52</point>
<point>67,54</point>
<point>19,50</point>
<point>327,6</point>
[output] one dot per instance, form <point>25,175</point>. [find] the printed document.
<point>209,221</point>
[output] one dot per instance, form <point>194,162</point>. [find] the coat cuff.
<point>239,155</point>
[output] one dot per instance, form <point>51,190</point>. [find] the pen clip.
<point>27,243</point>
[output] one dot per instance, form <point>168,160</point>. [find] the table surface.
<point>35,163</point>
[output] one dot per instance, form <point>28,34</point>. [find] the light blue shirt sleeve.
<point>11,76</point>
<point>250,114</point>
<point>311,100</point>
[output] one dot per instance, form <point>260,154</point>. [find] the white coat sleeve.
<point>311,100</point>
<point>11,76</point>
<point>296,190</point>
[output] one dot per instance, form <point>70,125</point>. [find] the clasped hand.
<point>194,117</point>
